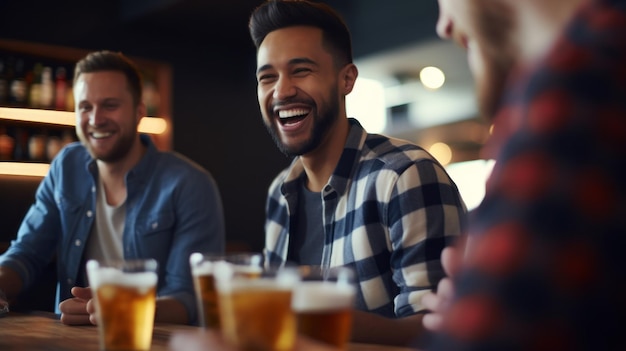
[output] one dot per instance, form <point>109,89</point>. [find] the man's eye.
<point>266,78</point>
<point>301,71</point>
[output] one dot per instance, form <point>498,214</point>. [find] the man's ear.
<point>348,77</point>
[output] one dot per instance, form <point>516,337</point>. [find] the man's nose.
<point>284,88</point>
<point>96,117</point>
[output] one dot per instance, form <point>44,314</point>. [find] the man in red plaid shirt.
<point>545,265</point>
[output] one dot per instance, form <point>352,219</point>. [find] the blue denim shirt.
<point>173,209</point>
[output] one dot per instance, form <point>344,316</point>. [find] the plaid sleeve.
<point>275,250</point>
<point>425,214</point>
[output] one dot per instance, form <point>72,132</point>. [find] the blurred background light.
<point>366,103</point>
<point>442,152</point>
<point>432,77</point>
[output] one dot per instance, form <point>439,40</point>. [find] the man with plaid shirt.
<point>382,206</point>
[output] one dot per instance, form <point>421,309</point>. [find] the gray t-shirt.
<point>307,241</point>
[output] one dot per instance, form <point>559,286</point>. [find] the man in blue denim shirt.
<point>114,196</point>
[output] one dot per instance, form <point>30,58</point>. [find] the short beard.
<point>121,149</point>
<point>324,121</point>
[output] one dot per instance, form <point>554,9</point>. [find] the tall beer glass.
<point>323,304</point>
<point>255,313</point>
<point>125,296</point>
<point>202,267</point>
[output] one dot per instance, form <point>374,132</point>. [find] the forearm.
<point>10,282</point>
<point>170,310</point>
<point>372,328</point>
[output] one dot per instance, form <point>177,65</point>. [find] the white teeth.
<point>292,113</point>
<point>98,135</point>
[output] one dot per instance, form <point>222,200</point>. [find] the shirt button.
<point>69,281</point>
<point>93,189</point>
<point>77,242</point>
<point>155,225</point>
<point>89,214</point>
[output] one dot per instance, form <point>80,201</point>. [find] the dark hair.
<point>277,14</point>
<point>112,61</point>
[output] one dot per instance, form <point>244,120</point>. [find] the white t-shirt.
<point>105,240</point>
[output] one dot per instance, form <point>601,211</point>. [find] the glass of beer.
<point>323,304</point>
<point>255,313</point>
<point>202,267</point>
<point>125,296</point>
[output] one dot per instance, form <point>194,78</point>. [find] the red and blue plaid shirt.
<point>547,266</point>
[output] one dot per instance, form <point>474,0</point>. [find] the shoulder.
<point>173,165</point>
<point>393,153</point>
<point>72,155</point>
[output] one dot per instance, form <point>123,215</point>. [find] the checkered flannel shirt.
<point>389,210</point>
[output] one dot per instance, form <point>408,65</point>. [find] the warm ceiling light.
<point>432,77</point>
<point>442,152</point>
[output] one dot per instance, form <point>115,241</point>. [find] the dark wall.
<point>378,25</point>
<point>216,118</point>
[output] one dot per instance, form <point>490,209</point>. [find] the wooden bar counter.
<point>43,331</point>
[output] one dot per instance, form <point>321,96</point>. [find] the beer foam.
<point>321,295</point>
<point>209,267</point>
<point>99,276</point>
<point>203,268</point>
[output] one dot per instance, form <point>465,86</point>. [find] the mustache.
<point>281,103</point>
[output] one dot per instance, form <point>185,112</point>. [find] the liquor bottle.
<point>18,89</point>
<point>47,88</point>
<point>34,97</point>
<point>53,146</point>
<point>69,98</point>
<point>37,146</point>
<point>6,144</point>
<point>60,89</point>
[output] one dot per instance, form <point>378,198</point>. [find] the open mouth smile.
<point>100,135</point>
<point>292,116</point>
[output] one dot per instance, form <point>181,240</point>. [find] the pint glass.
<point>125,296</point>
<point>202,267</point>
<point>256,313</point>
<point>323,304</point>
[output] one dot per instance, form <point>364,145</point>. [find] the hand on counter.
<point>80,309</point>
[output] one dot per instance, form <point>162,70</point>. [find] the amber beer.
<point>324,311</point>
<point>204,282</point>
<point>125,296</point>
<point>256,313</point>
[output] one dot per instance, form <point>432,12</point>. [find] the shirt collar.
<point>143,169</point>
<point>345,167</point>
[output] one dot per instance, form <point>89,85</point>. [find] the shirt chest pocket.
<point>155,226</point>
<point>70,212</point>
